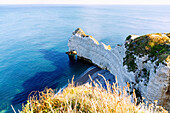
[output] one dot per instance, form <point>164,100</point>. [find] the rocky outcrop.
<point>135,62</point>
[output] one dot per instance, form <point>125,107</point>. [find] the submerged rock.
<point>143,61</point>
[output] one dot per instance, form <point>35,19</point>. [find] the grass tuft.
<point>88,98</point>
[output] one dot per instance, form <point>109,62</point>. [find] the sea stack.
<point>142,61</point>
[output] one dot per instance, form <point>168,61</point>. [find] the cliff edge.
<point>143,61</point>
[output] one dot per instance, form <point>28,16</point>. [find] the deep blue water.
<point>33,42</point>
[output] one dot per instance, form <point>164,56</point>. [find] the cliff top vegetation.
<point>80,32</point>
<point>156,46</point>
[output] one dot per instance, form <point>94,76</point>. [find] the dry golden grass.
<point>108,47</point>
<point>80,32</point>
<point>88,99</point>
<point>159,39</point>
<point>94,40</point>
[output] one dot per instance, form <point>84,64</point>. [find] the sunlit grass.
<point>87,98</point>
<point>94,40</point>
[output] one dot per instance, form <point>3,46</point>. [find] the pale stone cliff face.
<point>154,80</point>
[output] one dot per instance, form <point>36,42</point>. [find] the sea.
<point>33,42</point>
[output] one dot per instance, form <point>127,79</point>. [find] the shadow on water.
<point>54,79</point>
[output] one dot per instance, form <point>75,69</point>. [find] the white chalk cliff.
<point>154,86</point>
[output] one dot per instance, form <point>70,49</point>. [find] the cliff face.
<point>134,62</point>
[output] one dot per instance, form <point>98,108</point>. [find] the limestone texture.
<point>142,61</point>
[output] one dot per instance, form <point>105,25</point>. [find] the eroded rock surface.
<point>143,61</point>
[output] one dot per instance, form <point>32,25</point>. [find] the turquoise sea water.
<point>33,42</point>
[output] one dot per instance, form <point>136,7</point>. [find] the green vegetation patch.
<point>156,46</point>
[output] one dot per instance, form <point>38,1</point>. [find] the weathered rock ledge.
<point>134,62</point>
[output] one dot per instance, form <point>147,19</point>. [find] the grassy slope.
<point>87,99</point>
